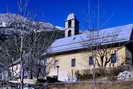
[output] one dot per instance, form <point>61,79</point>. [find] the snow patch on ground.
<point>126,75</point>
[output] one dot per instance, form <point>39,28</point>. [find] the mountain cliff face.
<point>37,37</point>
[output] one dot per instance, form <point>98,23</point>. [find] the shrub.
<point>88,74</point>
<point>110,73</point>
<point>84,75</point>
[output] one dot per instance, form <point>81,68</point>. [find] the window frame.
<point>91,60</point>
<point>73,62</point>
<point>113,58</point>
<point>56,63</point>
<point>69,23</point>
<point>69,33</point>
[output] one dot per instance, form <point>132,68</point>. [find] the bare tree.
<point>103,56</point>
<point>26,46</point>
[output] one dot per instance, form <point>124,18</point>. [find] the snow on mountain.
<point>60,28</point>
<point>8,17</point>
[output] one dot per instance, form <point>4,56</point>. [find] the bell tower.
<point>71,25</point>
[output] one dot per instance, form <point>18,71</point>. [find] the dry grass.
<point>88,85</point>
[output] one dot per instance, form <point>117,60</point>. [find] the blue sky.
<point>112,12</point>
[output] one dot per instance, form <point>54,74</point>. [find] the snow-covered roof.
<point>92,38</point>
<point>71,16</point>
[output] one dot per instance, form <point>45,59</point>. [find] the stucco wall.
<point>82,62</point>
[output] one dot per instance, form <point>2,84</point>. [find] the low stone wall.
<point>90,85</point>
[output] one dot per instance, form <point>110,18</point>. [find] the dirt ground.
<point>91,85</point>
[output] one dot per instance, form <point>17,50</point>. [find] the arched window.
<point>69,33</point>
<point>73,62</point>
<point>69,23</point>
<point>113,58</point>
<point>91,60</point>
<point>56,63</point>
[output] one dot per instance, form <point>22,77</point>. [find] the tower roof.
<point>71,16</point>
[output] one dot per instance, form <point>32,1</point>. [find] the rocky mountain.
<point>14,23</point>
<point>37,37</point>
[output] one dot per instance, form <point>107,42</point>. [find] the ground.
<point>90,85</point>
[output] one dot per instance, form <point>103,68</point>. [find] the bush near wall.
<point>110,73</point>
